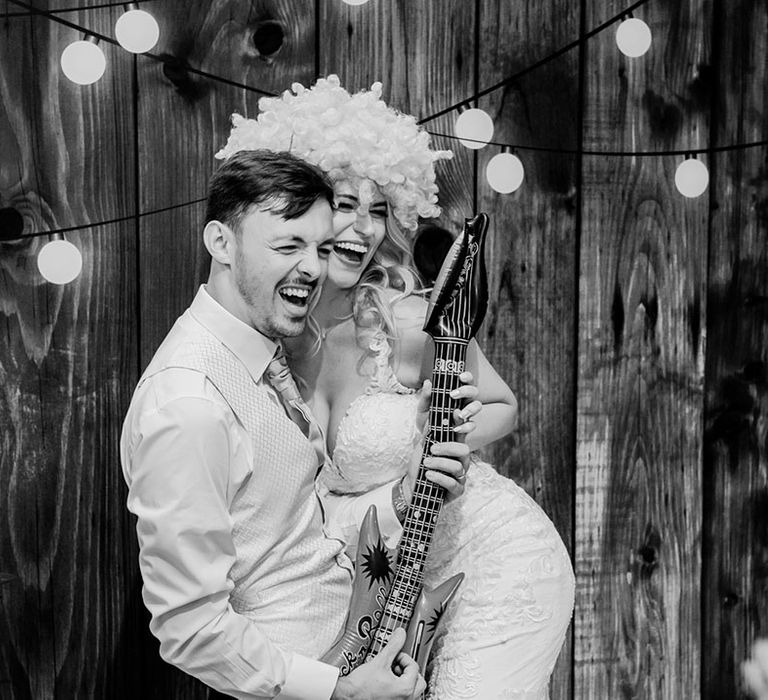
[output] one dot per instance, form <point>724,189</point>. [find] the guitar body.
<point>374,571</point>
<point>386,596</point>
<point>430,607</point>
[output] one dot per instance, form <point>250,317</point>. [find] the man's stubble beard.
<point>250,295</point>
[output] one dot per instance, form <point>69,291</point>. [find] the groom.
<point>246,583</point>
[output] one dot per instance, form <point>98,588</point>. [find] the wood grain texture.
<point>66,363</point>
<point>530,332</point>
<point>182,125</point>
<point>640,374</point>
<point>666,606</point>
<point>735,549</point>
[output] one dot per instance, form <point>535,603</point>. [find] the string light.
<point>691,177</point>
<point>685,175</point>
<point>633,37</point>
<point>137,30</point>
<point>505,172</point>
<point>474,127</point>
<point>83,61</point>
<point>59,261</point>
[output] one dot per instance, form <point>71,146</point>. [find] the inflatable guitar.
<point>386,597</point>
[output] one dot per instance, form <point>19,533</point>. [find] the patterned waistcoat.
<point>290,578</point>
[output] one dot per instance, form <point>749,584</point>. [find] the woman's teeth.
<point>351,251</point>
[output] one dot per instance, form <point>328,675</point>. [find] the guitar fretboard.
<point>419,525</point>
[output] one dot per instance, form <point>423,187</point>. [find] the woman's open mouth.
<point>351,252</point>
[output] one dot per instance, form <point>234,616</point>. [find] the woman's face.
<point>359,228</point>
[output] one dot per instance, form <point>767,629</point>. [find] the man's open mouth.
<point>298,296</point>
<point>350,251</point>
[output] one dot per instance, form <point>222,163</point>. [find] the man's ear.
<point>219,240</point>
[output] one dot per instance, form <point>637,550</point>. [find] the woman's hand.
<point>468,393</point>
<point>462,417</point>
<point>448,462</point>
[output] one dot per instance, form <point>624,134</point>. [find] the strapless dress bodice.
<point>375,441</point>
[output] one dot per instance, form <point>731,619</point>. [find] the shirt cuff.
<point>308,679</point>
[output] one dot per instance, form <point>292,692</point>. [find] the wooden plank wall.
<point>67,359</point>
<point>640,376</point>
<point>631,322</point>
<point>735,494</point>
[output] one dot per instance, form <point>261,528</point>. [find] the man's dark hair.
<point>274,181</point>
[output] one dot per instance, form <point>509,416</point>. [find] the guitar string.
<point>430,499</point>
<point>409,576</point>
<point>410,556</point>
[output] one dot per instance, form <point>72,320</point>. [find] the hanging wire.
<point>103,37</point>
<point>67,9</point>
<point>588,152</point>
<point>516,76</point>
<point>108,222</point>
<point>31,10</point>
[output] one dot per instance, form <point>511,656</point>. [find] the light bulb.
<point>474,124</point>
<point>59,261</point>
<point>83,62</point>
<point>691,177</point>
<point>355,2</point>
<point>137,31</point>
<point>633,37</point>
<point>505,172</point>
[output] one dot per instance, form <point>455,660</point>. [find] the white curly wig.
<point>351,137</point>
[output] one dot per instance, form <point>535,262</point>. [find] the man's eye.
<point>287,249</point>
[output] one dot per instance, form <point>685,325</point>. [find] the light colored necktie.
<point>280,378</point>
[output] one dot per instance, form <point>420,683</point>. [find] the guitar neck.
<point>419,525</point>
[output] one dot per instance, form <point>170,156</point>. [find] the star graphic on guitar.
<point>377,564</point>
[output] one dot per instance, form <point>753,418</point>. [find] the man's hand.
<point>448,462</point>
<point>375,680</point>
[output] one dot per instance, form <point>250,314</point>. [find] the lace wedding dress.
<point>502,633</point>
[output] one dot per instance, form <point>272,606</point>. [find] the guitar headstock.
<point>460,296</point>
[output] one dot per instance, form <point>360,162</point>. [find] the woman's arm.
<point>498,416</point>
<point>414,359</point>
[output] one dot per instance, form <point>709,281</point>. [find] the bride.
<point>360,362</point>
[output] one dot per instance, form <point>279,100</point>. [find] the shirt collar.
<point>252,348</point>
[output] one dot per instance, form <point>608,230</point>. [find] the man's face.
<point>278,265</point>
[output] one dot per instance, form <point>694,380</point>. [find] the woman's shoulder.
<point>412,346</point>
<point>408,311</point>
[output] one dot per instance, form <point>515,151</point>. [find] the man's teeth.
<point>295,294</point>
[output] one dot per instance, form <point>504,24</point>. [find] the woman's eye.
<point>379,212</point>
<point>345,205</point>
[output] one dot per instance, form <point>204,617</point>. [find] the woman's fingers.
<point>422,408</point>
<point>465,392</point>
<point>447,466</point>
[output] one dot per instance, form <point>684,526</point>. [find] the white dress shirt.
<point>238,598</point>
